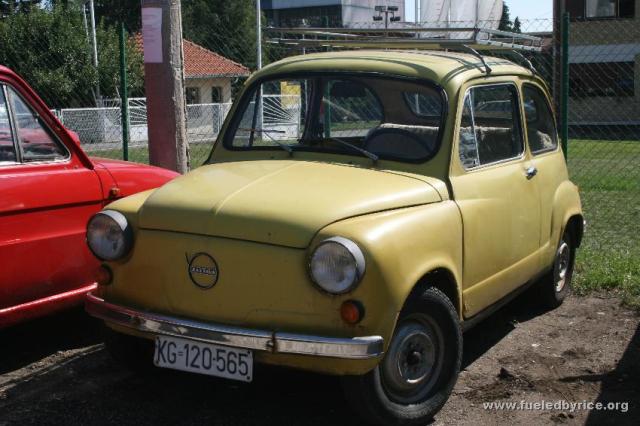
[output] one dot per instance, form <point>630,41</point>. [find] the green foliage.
<point>109,63</point>
<point>50,49</point>
<point>225,27</point>
<point>9,7</point>
<point>505,19</point>
<point>222,26</point>
<point>113,12</point>
<point>517,26</point>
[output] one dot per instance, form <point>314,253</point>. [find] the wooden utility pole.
<point>164,77</point>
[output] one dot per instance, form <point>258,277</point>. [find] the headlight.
<point>337,265</point>
<point>108,235</point>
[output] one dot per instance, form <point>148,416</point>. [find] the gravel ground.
<point>55,371</point>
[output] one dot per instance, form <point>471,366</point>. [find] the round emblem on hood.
<point>203,270</point>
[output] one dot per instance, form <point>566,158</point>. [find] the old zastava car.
<point>359,211</point>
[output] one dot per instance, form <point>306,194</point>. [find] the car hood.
<point>277,202</point>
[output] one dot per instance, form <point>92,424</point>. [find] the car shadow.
<point>29,342</point>
<point>620,385</point>
<point>490,331</point>
<point>88,387</point>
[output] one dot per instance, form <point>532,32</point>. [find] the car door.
<point>46,196</point>
<point>493,185</point>
<point>547,159</point>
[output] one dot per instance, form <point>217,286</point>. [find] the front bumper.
<point>260,340</point>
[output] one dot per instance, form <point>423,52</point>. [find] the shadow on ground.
<point>619,386</point>
<point>60,374</point>
<point>32,341</point>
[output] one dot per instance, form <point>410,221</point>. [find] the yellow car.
<point>359,210</point>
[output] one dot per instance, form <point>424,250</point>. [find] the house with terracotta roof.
<point>208,76</point>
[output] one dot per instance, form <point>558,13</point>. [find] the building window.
<point>193,95</point>
<point>600,9</point>
<point>609,79</point>
<point>216,94</point>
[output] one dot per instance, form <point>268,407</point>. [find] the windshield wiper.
<point>266,132</point>
<point>369,154</point>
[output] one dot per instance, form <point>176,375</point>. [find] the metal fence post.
<point>124,96</point>
<point>564,106</point>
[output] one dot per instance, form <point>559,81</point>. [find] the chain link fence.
<point>604,148</point>
<point>604,106</point>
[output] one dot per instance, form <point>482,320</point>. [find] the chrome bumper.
<point>260,340</point>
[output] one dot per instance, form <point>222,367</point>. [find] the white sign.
<point>152,34</point>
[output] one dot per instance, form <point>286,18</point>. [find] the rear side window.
<point>541,129</point>
<point>490,126</point>
<point>36,140</point>
<point>7,146</point>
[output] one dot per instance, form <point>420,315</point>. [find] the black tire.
<point>556,284</point>
<point>133,353</point>
<point>381,401</point>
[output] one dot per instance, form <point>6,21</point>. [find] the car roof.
<point>444,68</point>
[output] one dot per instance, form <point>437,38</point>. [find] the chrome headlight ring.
<point>337,265</point>
<point>109,235</point>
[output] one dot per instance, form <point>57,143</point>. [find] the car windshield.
<point>386,118</point>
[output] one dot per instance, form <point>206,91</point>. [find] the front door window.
<point>490,126</point>
<point>37,142</point>
<point>7,145</point>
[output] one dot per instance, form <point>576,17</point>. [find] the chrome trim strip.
<point>261,340</point>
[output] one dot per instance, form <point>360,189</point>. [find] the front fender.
<point>401,247</point>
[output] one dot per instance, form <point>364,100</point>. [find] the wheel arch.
<point>575,225</point>
<point>444,280</point>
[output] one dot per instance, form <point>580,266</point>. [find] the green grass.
<point>608,174</point>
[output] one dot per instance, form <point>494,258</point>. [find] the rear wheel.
<point>420,368</point>
<point>556,285</point>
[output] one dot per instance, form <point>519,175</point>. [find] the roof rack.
<point>404,38</point>
<point>476,40</point>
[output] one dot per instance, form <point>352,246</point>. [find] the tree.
<point>50,49</point>
<point>505,19</point>
<point>112,12</point>
<point>517,26</point>
<point>225,27</point>
<point>9,7</point>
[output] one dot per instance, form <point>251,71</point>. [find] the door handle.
<point>531,172</point>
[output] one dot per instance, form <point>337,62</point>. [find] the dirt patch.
<point>55,371</point>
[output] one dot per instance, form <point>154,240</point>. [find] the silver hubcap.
<point>561,267</point>
<point>413,362</point>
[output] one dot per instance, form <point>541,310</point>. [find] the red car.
<point>49,188</point>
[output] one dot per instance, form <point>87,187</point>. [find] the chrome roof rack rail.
<point>404,38</point>
<point>487,68</point>
<point>524,60</point>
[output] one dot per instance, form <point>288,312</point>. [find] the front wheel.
<point>420,368</point>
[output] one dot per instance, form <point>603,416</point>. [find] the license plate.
<point>203,358</point>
